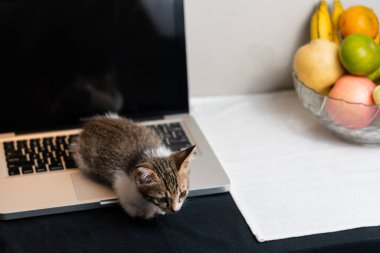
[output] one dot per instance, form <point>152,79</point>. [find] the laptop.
<point>62,62</point>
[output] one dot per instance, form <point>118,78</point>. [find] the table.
<point>205,224</point>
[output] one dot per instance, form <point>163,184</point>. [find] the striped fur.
<point>147,177</point>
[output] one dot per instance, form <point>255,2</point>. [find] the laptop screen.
<point>62,61</point>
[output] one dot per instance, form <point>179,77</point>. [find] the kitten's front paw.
<point>148,215</point>
<point>152,212</point>
<point>159,211</point>
<point>148,211</point>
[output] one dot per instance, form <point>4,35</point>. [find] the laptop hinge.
<point>6,135</point>
<point>149,118</point>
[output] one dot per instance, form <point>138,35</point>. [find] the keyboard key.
<point>15,156</point>
<point>175,125</point>
<point>59,140</point>
<point>73,138</point>
<point>41,168</point>
<point>21,144</point>
<point>55,163</point>
<point>55,166</point>
<point>13,152</point>
<point>17,159</point>
<point>70,163</point>
<point>19,162</point>
<point>13,171</point>
<point>9,147</point>
<point>27,169</point>
<point>42,162</point>
<point>35,143</point>
<point>47,141</point>
<point>179,147</point>
<point>59,153</point>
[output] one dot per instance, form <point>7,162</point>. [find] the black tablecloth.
<point>205,224</point>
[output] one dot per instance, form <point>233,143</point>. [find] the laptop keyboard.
<point>52,153</point>
<point>172,135</point>
<point>39,155</point>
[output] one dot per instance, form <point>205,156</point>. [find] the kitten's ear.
<point>145,176</point>
<point>182,158</point>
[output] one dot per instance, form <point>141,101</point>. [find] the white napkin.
<point>289,175</point>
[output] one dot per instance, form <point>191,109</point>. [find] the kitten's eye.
<point>182,195</point>
<point>161,201</point>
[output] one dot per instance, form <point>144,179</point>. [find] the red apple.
<point>350,102</point>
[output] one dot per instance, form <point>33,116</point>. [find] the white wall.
<point>246,46</point>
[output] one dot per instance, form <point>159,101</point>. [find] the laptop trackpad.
<point>87,189</point>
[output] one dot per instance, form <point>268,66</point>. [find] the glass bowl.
<point>354,122</point>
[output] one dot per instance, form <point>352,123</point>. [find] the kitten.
<point>147,177</point>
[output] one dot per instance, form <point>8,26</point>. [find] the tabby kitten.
<point>147,177</point>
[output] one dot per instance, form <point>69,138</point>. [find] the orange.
<point>359,19</point>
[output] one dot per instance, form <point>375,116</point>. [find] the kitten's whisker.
<point>157,219</point>
<point>186,202</point>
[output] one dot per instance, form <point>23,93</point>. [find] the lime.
<point>359,54</point>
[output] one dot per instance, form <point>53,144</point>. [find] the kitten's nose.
<point>175,208</point>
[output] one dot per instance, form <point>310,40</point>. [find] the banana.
<point>336,13</point>
<point>323,6</point>
<point>321,26</point>
<point>325,30</point>
<point>314,25</point>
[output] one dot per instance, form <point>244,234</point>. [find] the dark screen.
<point>62,61</point>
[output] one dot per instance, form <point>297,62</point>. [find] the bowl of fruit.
<point>337,74</point>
